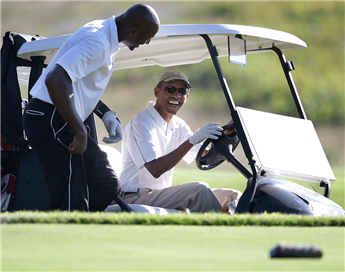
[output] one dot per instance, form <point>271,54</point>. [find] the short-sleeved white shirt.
<point>147,137</point>
<point>88,58</point>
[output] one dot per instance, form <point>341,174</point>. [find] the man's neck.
<point>118,26</point>
<point>166,117</point>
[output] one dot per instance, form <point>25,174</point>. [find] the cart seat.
<point>142,209</point>
<point>114,157</point>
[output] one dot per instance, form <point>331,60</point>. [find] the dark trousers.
<point>83,182</point>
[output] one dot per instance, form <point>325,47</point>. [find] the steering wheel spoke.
<point>210,158</point>
<point>219,150</point>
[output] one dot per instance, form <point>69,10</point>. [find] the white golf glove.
<point>212,130</point>
<point>113,127</point>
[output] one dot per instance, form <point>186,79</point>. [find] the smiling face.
<point>168,104</point>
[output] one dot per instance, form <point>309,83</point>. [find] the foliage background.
<point>319,74</point>
<point>319,77</point>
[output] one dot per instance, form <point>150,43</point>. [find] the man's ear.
<point>134,29</point>
<point>156,91</point>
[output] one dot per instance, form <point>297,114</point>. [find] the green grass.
<point>56,247</point>
<point>62,241</point>
<point>194,219</point>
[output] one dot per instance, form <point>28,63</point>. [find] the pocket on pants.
<point>34,112</point>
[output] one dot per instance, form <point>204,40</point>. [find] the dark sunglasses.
<point>181,91</point>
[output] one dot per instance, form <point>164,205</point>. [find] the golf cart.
<point>273,163</point>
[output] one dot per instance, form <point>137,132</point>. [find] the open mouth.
<point>174,103</point>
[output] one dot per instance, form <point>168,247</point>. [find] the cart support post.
<point>36,71</point>
<point>214,54</point>
<point>248,195</point>
<point>290,81</point>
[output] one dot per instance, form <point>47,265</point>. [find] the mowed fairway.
<point>75,247</point>
<point>87,247</point>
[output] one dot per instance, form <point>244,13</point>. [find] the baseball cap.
<point>174,75</point>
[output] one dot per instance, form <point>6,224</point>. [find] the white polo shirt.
<point>88,57</point>
<point>147,137</point>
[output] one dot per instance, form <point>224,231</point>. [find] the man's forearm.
<point>61,93</point>
<point>163,164</point>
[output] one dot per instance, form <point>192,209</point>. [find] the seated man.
<point>154,141</point>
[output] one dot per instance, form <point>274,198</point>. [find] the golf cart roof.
<point>177,45</point>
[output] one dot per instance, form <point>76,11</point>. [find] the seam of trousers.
<point>70,157</point>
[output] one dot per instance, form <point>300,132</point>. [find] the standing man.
<point>77,172</point>
<point>154,141</point>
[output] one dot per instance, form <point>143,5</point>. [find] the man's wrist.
<point>102,110</point>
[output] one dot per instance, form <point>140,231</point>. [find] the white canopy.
<point>178,45</point>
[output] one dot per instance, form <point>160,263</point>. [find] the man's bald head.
<point>140,13</point>
<point>137,25</point>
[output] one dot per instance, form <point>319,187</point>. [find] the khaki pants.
<point>195,196</point>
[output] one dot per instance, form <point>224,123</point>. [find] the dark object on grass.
<point>295,251</point>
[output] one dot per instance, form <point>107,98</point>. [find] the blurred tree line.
<point>319,74</point>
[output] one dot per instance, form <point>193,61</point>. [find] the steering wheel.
<point>219,151</point>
